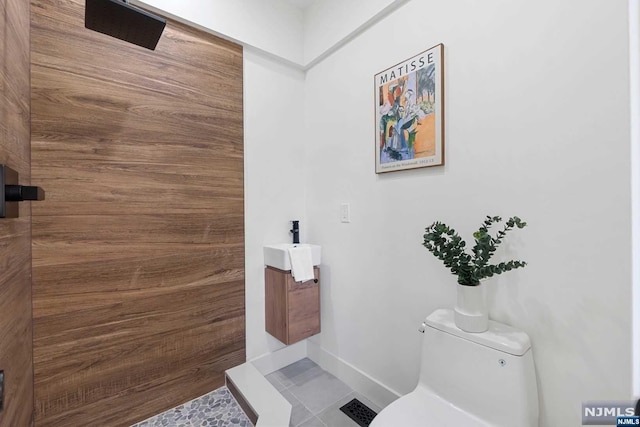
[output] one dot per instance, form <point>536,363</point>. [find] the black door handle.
<point>19,193</point>
<point>11,192</point>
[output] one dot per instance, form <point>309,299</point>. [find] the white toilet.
<point>469,379</point>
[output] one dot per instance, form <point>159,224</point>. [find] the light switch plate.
<point>345,212</point>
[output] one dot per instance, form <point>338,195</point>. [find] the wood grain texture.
<point>15,233</point>
<point>275,303</point>
<point>304,308</point>
<point>138,251</point>
<point>292,309</point>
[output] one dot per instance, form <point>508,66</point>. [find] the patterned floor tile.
<point>215,409</point>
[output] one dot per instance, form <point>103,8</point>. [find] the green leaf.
<point>446,245</point>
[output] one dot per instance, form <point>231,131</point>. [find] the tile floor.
<point>315,395</point>
<point>215,409</point>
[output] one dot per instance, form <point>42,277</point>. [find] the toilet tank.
<point>489,374</point>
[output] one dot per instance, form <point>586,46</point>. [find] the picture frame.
<point>409,113</point>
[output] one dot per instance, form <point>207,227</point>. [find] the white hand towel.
<point>301,263</point>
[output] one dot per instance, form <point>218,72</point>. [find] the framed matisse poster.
<point>409,113</point>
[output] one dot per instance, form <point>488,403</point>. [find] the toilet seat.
<point>423,408</point>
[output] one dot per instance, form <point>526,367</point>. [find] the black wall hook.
<point>11,192</point>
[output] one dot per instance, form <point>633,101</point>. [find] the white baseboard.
<point>270,362</point>
<point>359,381</point>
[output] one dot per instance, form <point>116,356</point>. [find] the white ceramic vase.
<point>471,313</point>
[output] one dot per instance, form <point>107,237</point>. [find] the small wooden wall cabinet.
<point>292,309</point>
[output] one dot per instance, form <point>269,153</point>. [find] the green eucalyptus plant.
<point>445,243</point>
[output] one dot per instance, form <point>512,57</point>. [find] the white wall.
<point>327,22</point>
<point>537,125</point>
<point>274,139</point>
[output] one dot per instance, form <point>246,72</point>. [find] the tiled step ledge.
<point>262,403</point>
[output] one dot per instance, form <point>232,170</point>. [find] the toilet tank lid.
<point>499,336</point>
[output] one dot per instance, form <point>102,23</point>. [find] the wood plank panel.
<point>15,233</point>
<point>304,308</point>
<point>138,251</point>
<point>276,303</point>
<point>292,309</point>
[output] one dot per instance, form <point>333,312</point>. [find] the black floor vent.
<point>359,412</point>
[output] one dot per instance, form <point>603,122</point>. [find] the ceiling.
<point>302,4</point>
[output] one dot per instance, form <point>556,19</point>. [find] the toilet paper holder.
<point>11,192</point>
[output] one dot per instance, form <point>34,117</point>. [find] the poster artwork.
<point>409,113</point>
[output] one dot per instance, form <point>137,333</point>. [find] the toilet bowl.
<point>469,379</point>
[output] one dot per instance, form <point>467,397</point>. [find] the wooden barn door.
<point>15,233</point>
